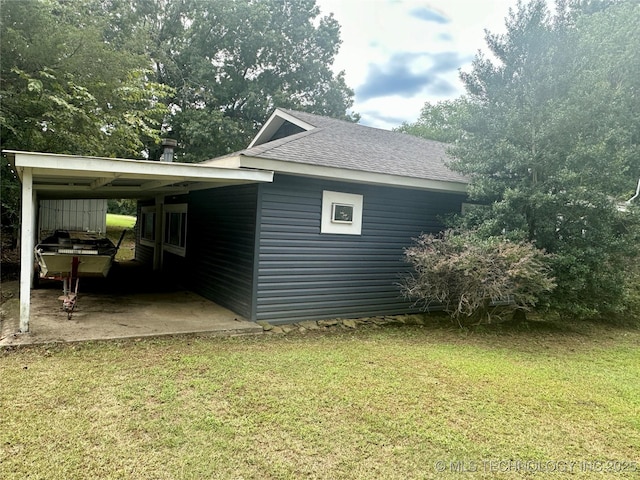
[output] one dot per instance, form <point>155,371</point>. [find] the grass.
<point>120,221</point>
<point>115,225</point>
<point>373,403</point>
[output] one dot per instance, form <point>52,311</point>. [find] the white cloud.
<point>433,39</point>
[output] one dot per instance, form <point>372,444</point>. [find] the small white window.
<point>148,226</point>
<point>341,213</point>
<point>175,229</point>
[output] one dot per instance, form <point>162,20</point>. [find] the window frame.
<point>169,211</point>
<point>336,208</point>
<point>148,212</point>
<point>329,223</point>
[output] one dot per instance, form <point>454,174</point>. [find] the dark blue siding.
<point>143,253</point>
<point>220,245</point>
<point>303,274</point>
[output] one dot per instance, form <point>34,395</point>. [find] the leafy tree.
<point>66,87</point>
<point>551,143</point>
<point>108,77</point>
<point>227,63</point>
<point>231,62</point>
<point>122,206</point>
<point>443,121</point>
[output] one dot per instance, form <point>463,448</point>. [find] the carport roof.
<point>72,176</point>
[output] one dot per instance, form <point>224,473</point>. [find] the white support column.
<point>27,237</point>
<point>157,251</point>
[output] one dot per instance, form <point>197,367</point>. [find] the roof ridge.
<point>357,125</point>
<point>322,118</point>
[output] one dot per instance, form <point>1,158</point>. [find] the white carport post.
<point>27,236</point>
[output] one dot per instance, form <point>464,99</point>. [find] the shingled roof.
<point>304,139</point>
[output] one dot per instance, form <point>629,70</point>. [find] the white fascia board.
<point>110,190</point>
<point>225,162</point>
<point>341,174</point>
<point>57,165</point>
<point>275,121</point>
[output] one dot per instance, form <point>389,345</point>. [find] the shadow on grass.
<point>540,323</point>
<point>536,335</point>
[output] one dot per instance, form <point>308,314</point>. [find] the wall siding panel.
<point>220,245</point>
<point>144,254</point>
<point>303,274</point>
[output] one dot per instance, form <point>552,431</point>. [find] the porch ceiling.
<point>70,176</point>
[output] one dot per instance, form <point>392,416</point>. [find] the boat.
<point>68,256</point>
<point>92,252</point>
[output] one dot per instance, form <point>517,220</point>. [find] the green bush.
<point>632,293</point>
<point>474,278</point>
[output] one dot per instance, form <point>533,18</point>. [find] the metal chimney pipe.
<point>168,144</point>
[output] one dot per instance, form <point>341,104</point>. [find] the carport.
<point>52,176</point>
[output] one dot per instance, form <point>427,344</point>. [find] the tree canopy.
<point>442,121</point>
<point>107,77</point>
<point>239,60</point>
<point>110,77</point>
<point>550,138</point>
<point>65,89</point>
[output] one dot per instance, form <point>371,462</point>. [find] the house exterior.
<point>324,239</point>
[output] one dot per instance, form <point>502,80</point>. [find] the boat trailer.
<point>68,256</point>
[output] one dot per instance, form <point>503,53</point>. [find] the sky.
<point>399,54</point>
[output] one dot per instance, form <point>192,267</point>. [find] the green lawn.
<point>120,221</point>
<point>115,225</point>
<point>375,403</point>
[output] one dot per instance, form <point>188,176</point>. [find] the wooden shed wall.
<point>303,274</point>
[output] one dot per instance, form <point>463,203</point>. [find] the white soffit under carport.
<point>49,176</point>
<point>71,176</point>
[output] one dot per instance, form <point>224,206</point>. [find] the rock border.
<point>342,323</point>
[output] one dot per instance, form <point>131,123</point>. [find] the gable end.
<point>286,129</point>
<point>280,125</point>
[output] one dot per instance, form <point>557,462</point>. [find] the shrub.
<point>474,278</point>
<point>632,292</point>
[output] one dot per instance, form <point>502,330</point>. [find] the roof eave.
<point>357,176</point>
